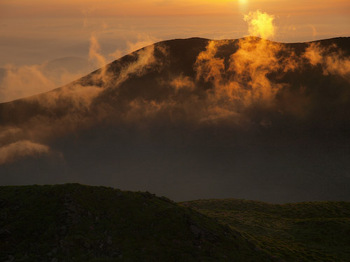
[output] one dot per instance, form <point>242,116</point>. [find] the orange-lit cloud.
<point>208,66</point>
<point>142,41</point>
<point>94,52</point>
<point>100,60</point>
<point>243,81</point>
<point>182,82</point>
<point>21,149</point>
<point>23,81</point>
<point>260,24</point>
<point>331,62</point>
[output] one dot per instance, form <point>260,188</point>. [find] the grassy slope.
<point>311,231</point>
<point>83,223</point>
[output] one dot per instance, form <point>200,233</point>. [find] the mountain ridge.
<point>327,40</point>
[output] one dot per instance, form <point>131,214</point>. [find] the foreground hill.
<point>82,223</point>
<point>310,231</point>
<point>73,222</point>
<point>244,118</point>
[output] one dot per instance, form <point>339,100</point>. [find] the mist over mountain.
<point>27,80</point>
<point>194,118</point>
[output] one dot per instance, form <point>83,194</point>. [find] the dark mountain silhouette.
<point>194,118</point>
<point>83,223</point>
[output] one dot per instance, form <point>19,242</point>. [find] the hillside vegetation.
<point>310,231</point>
<point>73,222</point>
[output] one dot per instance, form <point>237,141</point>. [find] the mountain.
<point>309,231</point>
<point>84,223</point>
<point>194,118</point>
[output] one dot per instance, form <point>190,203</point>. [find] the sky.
<point>43,44</point>
<point>60,8</point>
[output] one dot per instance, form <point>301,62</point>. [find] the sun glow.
<point>243,4</point>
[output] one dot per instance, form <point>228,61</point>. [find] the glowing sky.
<point>167,7</point>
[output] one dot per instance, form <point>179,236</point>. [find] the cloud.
<point>260,24</point>
<point>9,134</point>
<point>23,81</point>
<point>314,31</point>
<point>94,52</point>
<point>145,59</point>
<point>21,149</point>
<point>241,80</point>
<point>98,58</point>
<point>332,61</point>
<point>74,97</point>
<point>143,49</point>
<point>182,83</point>
<point>142,41</point>
<point>208,65</point>
<point>116,54</point>
<point>253,61</point>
